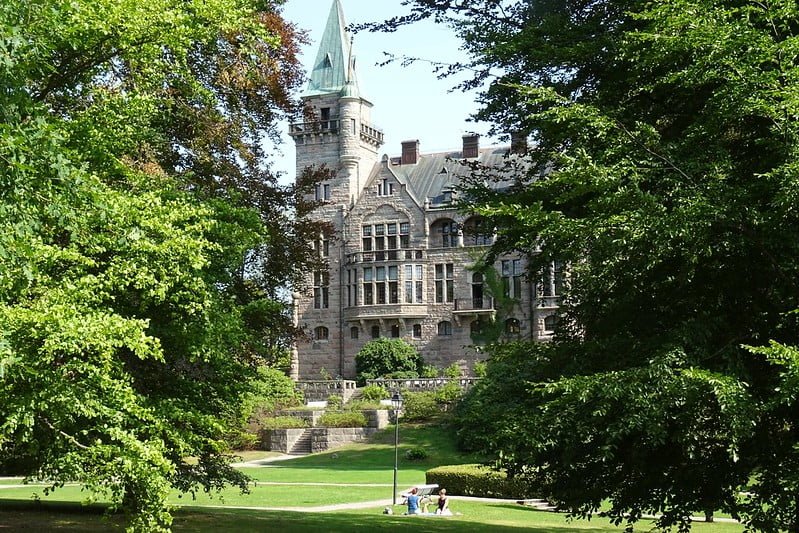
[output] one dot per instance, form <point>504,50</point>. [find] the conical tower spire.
<point>334,69</point>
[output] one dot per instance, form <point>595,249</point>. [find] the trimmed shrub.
<point>416,454</point>
<point>284,422</point>
<point>343,419</point>
<point>374,393</point>
<point>363,405</point>
<point>420,406</point>
<point>479,480</point>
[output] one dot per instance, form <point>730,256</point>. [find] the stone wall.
<point>327,438</point>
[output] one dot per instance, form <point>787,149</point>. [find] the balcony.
<point>474,305</point>
<point>376,256</point>
<point>314,127</point>
<point>371,135</point>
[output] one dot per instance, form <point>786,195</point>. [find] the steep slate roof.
<point>332,72</point>
<point>434,173</point>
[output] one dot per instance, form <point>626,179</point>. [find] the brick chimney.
<point>410,152</point>
<point>518,142</point>
<point>471,145</point>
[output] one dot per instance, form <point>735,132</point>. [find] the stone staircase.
<point>538,503</point>
<point>303,445</point>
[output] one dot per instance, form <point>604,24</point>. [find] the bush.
<point>479,369</point>
<point>429,371</point>
<point>344,419</point>
<point>402,374</point>
<point>284,422</point>
<point>271,390</point>
<point>453,371</point>
<point>363,405</point>
<point>381,357</point>
<point>480,481</point>
<point>374,393</point>
<point>335,402</point>
<point>448,394</point>
<point>420,406</point>
<point>416,454</point>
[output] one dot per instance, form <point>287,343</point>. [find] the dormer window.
<point>385,188</point>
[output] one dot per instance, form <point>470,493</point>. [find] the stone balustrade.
<point>422,384</point>
<point>322,389</point>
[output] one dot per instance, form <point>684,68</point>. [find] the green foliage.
<point>335,402</point>
<point>479,369</point>
<point>271,390</point>
<point>374,393</point>
<point>479,481</point>
<point>284,422</point>
<point>453,371</point>
<point>420,406</point>
<point>342,419</point>
<point>428,371</point>
<point>664,174</point>
<point>134,196</point>
<point>448,394</point>
<point>416,454</point>
<point>387,357</point>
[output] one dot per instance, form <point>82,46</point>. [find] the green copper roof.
<point>334,68</point>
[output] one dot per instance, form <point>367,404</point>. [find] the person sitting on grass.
<point>443,503</point>
<point>413,502</point>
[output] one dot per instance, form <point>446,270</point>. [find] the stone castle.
<point>400,253</point>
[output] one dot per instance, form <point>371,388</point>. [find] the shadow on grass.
<point>378,451</point>
<point>42,516</point>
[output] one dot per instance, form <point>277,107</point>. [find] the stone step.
<point>538,503</point>
<point>303,445</point>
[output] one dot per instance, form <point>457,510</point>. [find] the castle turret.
<point>336,130</point>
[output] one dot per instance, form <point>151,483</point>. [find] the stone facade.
<point>327,438</point>
<point>400,256</point>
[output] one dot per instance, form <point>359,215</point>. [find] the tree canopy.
<point>663,169</point>
<point>143,238</point>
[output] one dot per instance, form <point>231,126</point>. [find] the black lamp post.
<point>396,403</point>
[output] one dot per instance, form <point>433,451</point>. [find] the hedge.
<point>478,480</point>
<point>343,419</point>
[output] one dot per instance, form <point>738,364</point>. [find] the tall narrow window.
<point>512,327</point>
<point>375,332</point>
<point>354,332</point>
<point>445,328</point>
<point>444,282</point>
<point>417,331</point>
<point>477,291</point>
<point>512,278</point>
<point>393,285</point>
<point>404,233</point>
<point>321,282</point>
<point>368,287</point>
<point>552,284</point>
<point>395,331</point>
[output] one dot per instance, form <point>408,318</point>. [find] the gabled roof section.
<point>334,68</point>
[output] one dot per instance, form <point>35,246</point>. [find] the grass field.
<point>355,473</point>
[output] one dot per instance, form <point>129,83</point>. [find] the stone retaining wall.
<point>327,438</point>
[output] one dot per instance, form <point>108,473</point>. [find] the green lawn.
<point>355,473</point>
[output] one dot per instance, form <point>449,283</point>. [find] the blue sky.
<point>409,102</point>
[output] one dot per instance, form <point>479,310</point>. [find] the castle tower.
<point>336,129</point>
<point>336,132</point>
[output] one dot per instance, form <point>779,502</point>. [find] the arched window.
<point>512,326</point>
<point>320,333</point>
<point>477,232</point>
<point>446,231</point>
<point>550,323</point>
<point>445,328</point>
<point>375,332</point>
<point>417,331</point>
<point>354,332</point>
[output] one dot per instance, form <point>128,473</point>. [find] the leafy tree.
<point>143,239</point>
<point>663,170</point>
<point>384,357</point>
